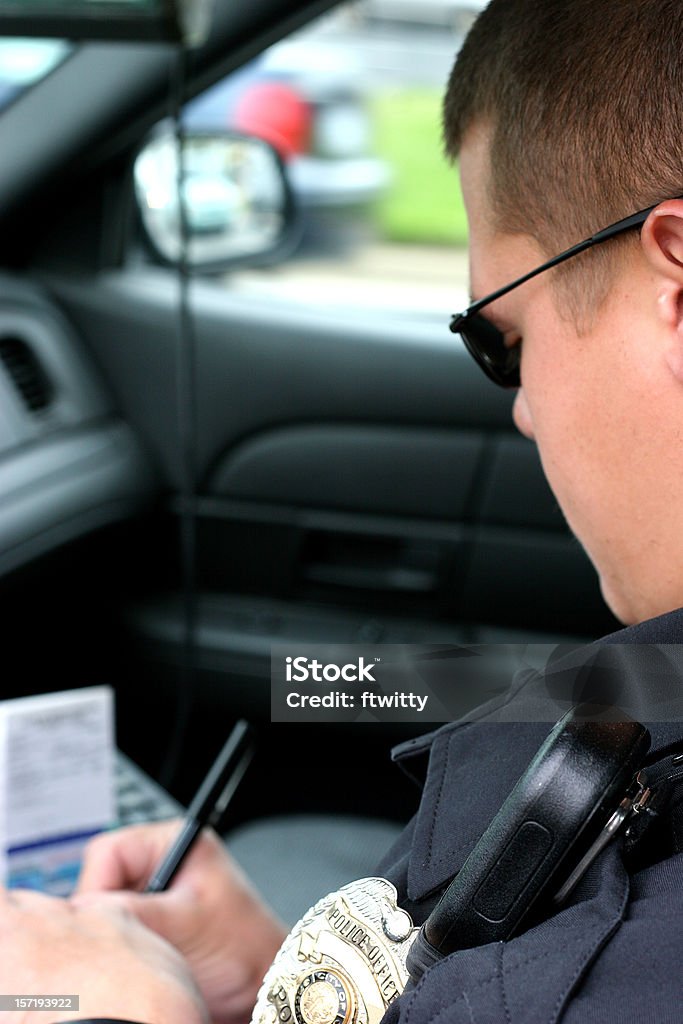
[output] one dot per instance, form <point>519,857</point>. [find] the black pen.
<point>209,803</point>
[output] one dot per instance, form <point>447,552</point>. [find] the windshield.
<point>23,62</point>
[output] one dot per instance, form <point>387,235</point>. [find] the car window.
<point>352,104</point>
<point>23,62</point>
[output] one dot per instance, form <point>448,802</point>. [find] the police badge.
<point>344,962</point>
<point>355,951</point>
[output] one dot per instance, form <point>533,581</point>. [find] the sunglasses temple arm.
<point>566,255</point>
<point>634,221</point>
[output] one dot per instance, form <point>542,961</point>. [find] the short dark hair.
<point>584,103</point>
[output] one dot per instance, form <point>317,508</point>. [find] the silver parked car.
<point>454,14</point>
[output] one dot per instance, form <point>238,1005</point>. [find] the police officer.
<point>566,118</point>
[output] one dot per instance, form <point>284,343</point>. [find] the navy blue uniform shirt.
<point>615,953</point>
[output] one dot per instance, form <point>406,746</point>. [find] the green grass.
<point>423,204</point>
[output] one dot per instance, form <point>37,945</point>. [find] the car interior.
<point>353,477</point>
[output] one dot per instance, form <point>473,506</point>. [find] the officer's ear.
<point>662,243</point>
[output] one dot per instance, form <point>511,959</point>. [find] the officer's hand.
<point>210,913</point>
<point>117,967</point>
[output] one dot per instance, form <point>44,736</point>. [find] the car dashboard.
<point>68,463</point>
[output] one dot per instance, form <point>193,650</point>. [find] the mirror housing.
<point>238,205</point>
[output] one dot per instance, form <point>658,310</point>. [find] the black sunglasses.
<point>486,344</point>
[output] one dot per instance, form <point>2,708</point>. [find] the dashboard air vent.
<point>26,373</point>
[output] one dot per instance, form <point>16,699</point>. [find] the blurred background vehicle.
<point>309,101</point>
<point>457,15</point>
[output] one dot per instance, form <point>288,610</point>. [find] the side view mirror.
<point>234,197</point>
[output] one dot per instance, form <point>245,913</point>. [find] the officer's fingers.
<point>170,914</point>
<point>125,859</point>
<point>29,901</point>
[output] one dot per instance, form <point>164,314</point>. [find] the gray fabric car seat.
<point>294,860</point>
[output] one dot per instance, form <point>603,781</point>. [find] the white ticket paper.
<point>56,783</point>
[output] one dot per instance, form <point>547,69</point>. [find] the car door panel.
<point>264,364</point>
<point>395,470</point>
<point>344,463</point>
